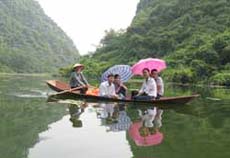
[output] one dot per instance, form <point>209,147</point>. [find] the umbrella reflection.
<point>114,117</point>
<point>147,131</point>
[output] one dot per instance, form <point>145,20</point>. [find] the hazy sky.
<point>85,21</point>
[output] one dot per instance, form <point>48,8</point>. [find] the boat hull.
<point>60,86</point>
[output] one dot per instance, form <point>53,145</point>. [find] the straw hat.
<point>78,65</point>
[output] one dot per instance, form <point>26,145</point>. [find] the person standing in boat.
<point>107,88</point>
<point>159,82</point>
<point>148,90</point>
<point>120,88</point>
<point>77,79</point>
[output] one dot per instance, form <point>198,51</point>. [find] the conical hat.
<point>78,65</point>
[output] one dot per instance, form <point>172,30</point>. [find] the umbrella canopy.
<point>123,70</point>
<point>149,140</point>
<point>150,63</point>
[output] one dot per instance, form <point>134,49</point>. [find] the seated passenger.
<point>148,90</point>
<point>107,88</point>
<point>159,82</point>
<point>120,88</point>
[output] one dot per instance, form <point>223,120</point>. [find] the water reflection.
<point>75,111</point>
<point>143,128</point>
<point>32,128</point>
<point>114,117</point>
<point>65,140</point>
<point>146,131</point>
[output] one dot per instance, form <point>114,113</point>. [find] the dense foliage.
<point>193,36</point>
<point>30,41</point>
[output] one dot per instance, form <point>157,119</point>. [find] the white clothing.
<point>107,90</point>
<point>149,117</point>
<point>160,83</point>
<point>158,119</point>
<point>106,110</point>
<point>149,87</point>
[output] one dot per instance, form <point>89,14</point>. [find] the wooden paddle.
<point>69,90</point>
<point>93,87</point>
<point>73,89</point>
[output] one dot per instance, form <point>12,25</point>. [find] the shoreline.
<point>131,81</point>
<point>25,74</point>
<point>186,84</point>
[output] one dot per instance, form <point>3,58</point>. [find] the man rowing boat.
<point>77,79</point>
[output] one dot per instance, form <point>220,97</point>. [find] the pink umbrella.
<point>150,63</point>
<point>154,139</point>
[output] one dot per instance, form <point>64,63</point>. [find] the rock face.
<point>30,41</point>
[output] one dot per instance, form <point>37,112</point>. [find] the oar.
<point>69,90</point>
<point>93,87</point>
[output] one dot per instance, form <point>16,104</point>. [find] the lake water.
<point>32,128</point>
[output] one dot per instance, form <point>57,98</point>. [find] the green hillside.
<point>193,36</point>
<point>30,41</point>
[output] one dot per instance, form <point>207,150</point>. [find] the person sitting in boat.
<point>77,79</point>
<point>148,90</point>
<point>159,82</point>
<point>107,88</point>
<point>120,88</point>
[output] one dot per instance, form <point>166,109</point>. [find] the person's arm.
<point>84,79</point>
<point>78,79</point>
<point>71,80</point>
<point>141,91</point>
<point>122,85</point>
<point>160,86</point>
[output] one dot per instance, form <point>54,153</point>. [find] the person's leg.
<point>134,93</point>
<point>83,90</point>
<point>158,96</point>
<point>122,91</point>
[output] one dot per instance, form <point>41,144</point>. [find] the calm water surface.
<point>32,128</point>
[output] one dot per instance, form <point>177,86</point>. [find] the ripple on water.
<point>31,94</point>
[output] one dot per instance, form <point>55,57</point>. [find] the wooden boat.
<point>63,88</point>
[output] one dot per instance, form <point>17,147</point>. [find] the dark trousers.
<point>158,96</point>
<point>82,90</point>
<point>141,97</point>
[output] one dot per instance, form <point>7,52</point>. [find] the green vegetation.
<point>193,36</point>
<point>30,41</point>
<point>221,79</point>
